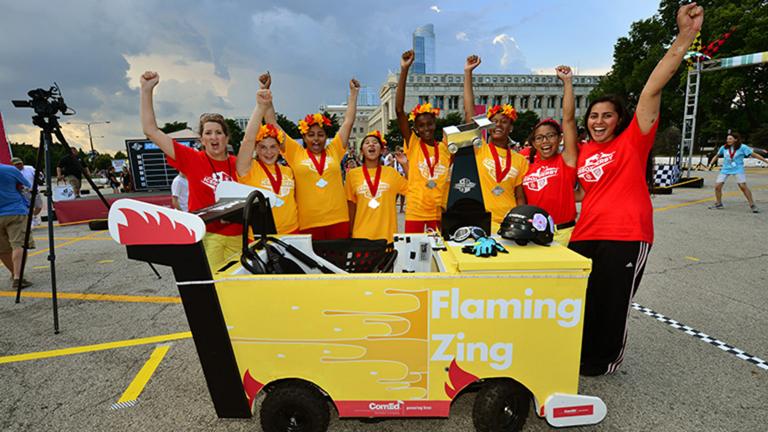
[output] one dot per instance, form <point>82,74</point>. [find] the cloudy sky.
<point>209,53</point>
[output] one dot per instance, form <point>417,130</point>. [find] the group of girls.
<point>614,229</point>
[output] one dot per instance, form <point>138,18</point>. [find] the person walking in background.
<point>114,183</point>
<point>13,221</point>
<point>180,192</point>
<point>29,173</point>
<point>733,154</point>
<point>71,170</point>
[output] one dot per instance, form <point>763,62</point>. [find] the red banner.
<point>5,148</point>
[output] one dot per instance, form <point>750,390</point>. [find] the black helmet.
<point>526,223</point>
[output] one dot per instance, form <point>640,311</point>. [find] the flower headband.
<point>506,110</point>
<point>423,109</point>
<point>376,134</point>
<point>269,130</point>
<point>313,119</point>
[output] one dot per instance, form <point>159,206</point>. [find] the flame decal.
<point>145,229</point>
<point>459,379</point>
<point>251,386</point>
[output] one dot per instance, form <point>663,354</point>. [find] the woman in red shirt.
<point>204,169</point>
<point>615,228</point>
<point>551,177</point>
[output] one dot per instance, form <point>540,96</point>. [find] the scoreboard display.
<point>149,169</point>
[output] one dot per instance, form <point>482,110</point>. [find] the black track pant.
<point>617,267</point>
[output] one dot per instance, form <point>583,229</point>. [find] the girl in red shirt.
<point>204,169</point>
<point>615,228</point>
<point>551,177</point>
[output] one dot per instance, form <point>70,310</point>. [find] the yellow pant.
<point>563,236</point>
<point>218,248</point>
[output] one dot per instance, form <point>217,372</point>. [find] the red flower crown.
<point>269,130</point>
<point>376,134</point>
<point>506,110</point>
<point>423,109</point>
<point>313,119</point>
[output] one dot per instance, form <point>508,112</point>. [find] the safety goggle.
<point>466,232</point>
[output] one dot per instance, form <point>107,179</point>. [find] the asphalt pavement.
<point>707,270</point>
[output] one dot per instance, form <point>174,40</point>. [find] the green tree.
<point>523,126</point>
<point>102,161</point>
<point>235,134</point>
<point>174,127</point>
<point>729,99</point>
<point>120,155</point>
<point>288,126</point>
<point>393,136</point>
<point>334,127</point>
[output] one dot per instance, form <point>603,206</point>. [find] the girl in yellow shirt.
<point>500,168</point>
<point>428,160</point>
<point>265,173</point>
<point>372,190</point>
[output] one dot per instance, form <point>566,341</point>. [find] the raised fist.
<point>690,17</point>
<point>265,80</point>
<point>354,85</point>
<point>149,80</point>
<point>564,72</point>
<point>473,61</point>
<point>407,59</point>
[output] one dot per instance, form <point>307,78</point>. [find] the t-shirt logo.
<point>490,166</point>
<point>214,179</point>
<point>592,170</point>
<point>364,191</point>
<point>328,161</point>
<point>440,169</point>
<point>537,180</point>
<point>285,187</point>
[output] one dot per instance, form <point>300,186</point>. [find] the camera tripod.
<point>46,105</point>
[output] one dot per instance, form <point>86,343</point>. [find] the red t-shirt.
<point>203,175</point>
<point>617,205</point>
<point>549,184</point>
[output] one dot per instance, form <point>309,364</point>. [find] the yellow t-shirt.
<point>285,213</point>
<point>379,222</point>
<point>423,203</point>
<point>320,204</point>
<point>500,204</point>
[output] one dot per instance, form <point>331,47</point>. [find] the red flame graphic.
<point>251,386</point>
<point>138,231</point>
<point>459,379</point>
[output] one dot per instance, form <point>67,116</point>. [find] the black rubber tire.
<point>98,225</point>
<point>521,242</point>
<point>501,406</point>
<point>294,407</point>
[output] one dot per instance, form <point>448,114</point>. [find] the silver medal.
<point>373,203</point>
<point>498,190</point>
<point>321,183</point>
<point>431,184</point>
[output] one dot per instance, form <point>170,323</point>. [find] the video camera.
<point>45,102</point>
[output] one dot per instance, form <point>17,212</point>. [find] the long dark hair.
<point>621,110</point>
<point>736,136</point>
<point>531,137</point>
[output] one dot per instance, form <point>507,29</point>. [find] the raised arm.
<point>349,116</point>
<point>245,155</point>
<point>689,20</point>
<point>473,61</point>
<point>570,135</point>
<point>265,82</point>
<point>147,112</point>
<point>402,118</point>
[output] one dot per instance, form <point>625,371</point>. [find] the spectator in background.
<point>733,154</point>
<point>114,183</point>
<point>71,170</point>
<point>127,179</point>
<point>13,219</point>
<point>29,173</point>
<point>180,192</point>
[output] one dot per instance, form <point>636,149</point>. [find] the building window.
<point>423,100</point>
<point>442,78</point>
<point>458,79</point>
<point>551,102</point>
<point>530,80</point>
<point>418,78</point>
<point>495,79</point>
<point>453,102</point>
<point>450,79</point>
<point>497,100</point>
<point>482,100</point>
<point>434,79</point>
<point>578,101</point>
<point>537,102</point>
<point>511,100</point>
<point>509,79</point>
<point>440,102</point>
<point>524,102</point>
<point>487,79</point>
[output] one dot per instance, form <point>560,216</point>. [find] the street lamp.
<point>90,137</point>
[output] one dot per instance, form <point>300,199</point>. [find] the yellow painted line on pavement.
<point>95,297</point>
<point>66,243</point>
<point>105,261</point>
<point>712,198</point>
<point>692,258</point>
<point>97,347</point>
<point>40,267</point>
<point>131,394</point>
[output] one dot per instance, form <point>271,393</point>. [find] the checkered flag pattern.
<point>665,175</point>
<point>695,47</point>
<point>703,336</point>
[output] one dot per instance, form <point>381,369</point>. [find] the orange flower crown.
<point>313,119</point>
<point>423,109</point>
<point>506,110</point>
<point>376,134</point>
<point>269,130</point>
